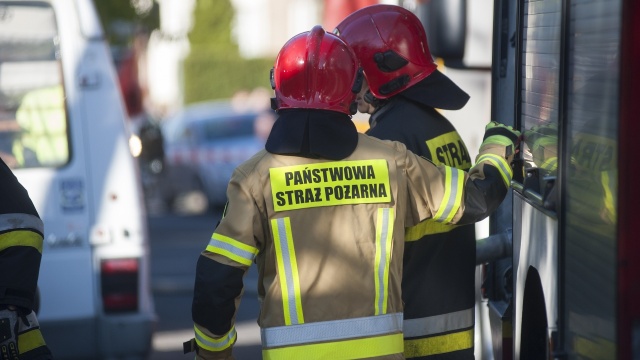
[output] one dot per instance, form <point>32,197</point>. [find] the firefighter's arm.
<point>21,234</point>
<point>219,272</point>
<point>490,178</point>
<point>453,196</point>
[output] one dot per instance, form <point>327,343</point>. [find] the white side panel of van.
<point>62,198</point>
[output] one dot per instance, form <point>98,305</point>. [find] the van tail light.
<point>119,285</point>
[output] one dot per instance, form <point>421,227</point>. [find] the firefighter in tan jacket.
<point>322,212</point>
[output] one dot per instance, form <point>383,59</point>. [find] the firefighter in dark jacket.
<point>21,232</point>
<point>321,211</point>
<point>438,282</point>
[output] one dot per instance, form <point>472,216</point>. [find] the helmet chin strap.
<point>368,97</point>
<point>353,108</point>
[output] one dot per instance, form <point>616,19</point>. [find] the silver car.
<point>203,144</point>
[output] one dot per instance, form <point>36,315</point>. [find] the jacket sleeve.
<point>454,196</point>
<point>21,234</point>
<point>220,270</point>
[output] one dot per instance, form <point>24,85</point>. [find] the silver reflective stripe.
<point>331,330</point>
<point>20,221</point>
<point>437,324</point>
<point>382,271</point>
<point>451,201</point>
<point>291,284</point>
<point>222,242</point>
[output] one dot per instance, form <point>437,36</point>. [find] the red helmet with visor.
<point>391,44</point>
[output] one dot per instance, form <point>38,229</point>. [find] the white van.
<point>63,131</point>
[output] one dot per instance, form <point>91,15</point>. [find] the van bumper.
<point>106,337</point>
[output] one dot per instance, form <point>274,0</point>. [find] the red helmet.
<point>391,44</point>
<point>316,70</point>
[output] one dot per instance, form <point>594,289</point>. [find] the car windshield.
<point>216,129</point>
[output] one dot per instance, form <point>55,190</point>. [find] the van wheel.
<point>534,330</point>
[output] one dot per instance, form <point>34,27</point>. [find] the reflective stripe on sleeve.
<point>211,344</point>
<point>501,164</point>
<point>21,238</point>
<point>287,271</point>
<point>30,340</point>
<point>427,227</point>
<point>233,249</point>
<point>331,331</point>
<point>452,199</point>
<point>20,221</point>
<point>384,240</point>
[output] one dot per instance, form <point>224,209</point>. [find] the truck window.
<point>33,117</point>
<point>540,84</point>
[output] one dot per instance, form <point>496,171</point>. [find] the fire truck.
<point>561,275</point>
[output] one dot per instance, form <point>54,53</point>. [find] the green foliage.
<point>120,20</point>
<point>210,75</point>
<point>214,69</point>
<point>212,25</point>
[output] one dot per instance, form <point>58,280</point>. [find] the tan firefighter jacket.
<point>327,238</point>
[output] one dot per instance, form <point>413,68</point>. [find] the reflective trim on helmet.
<point>20,221</point>
<point>384,239</point>
<point>335,330</point>
<point>215,344</point>
<point>438,324</point>
<point>452,199</point>
<point>233,249</point>
<point>501,164</point>
<point>287,271</point>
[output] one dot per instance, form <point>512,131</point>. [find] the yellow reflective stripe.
<point>287,271</point>
<point>346,349</point>
<point>452,199</point>
<point>330,184</point>
<point>609,201</point>
<point>593,348</point>
<point>215,344</point>
<point>551,164</point>
<point>438,344</point>
<point>499,163</point>
<point>384,239</point>
<point>233,249</point>
<point>20,221</point>
<point>21,238</point>
<point>29,340</point>
<point>427,227</point>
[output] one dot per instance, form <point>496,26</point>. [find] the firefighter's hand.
<point>498,133</point>
<point>502,135</point>
<point>8,334</point>
<point>20,336</point>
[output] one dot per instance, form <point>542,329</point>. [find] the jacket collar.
<point>313,134</point>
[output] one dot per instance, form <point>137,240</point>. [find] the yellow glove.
<point>500,134</point>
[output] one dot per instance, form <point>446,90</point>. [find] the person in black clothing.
<point>21,234</point>
<point>406,91</point>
